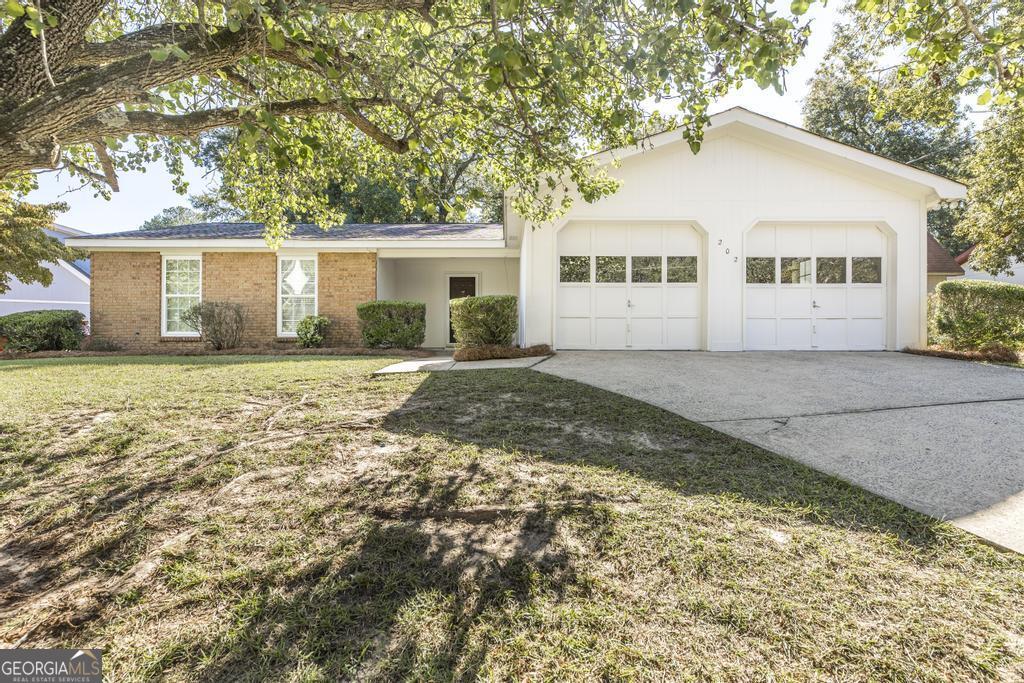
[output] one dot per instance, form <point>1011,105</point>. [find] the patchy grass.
<point>259,518</point>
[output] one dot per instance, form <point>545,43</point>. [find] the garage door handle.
<point>814,304</point>
<point>629,303</point>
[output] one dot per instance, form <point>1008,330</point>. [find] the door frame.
<point>478,279</point>
<point>889,271</point>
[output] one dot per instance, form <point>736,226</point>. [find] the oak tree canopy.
<point>530,86</point>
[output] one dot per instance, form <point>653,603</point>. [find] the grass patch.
<point>260,518</point>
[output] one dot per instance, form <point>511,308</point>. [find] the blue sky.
<point>143,195</point>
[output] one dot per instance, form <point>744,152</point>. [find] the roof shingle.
<point>940,260</point>
<point>309,231</point>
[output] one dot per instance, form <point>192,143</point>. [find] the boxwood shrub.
<point>55,330</point>
<point>312,331</point>
<point>393,324</point>
<point>485,320</point>
<point>974,314</point>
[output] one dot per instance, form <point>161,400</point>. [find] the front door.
<point>458,287</point>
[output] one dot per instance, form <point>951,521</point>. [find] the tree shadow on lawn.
<point>430,589</point>
<point>410,600</point>
<point>400,578</point>
<point>561,421</point>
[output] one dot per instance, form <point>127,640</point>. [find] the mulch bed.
<point>1001,356</point>
<point>492,352</point>
<point>290,351</point>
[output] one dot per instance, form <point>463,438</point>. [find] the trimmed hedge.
<point>56,330</point>
<point>975,314</point>
<point>485,320</point>
<point>393,324</point>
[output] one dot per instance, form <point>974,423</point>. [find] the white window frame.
<point>164,258</point>
<point>316,288</point>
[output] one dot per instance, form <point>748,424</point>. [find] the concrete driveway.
<point>943,437</point>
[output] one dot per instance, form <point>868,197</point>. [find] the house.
<point>941,264</point>
<point>770,238</point>
<point>69,289</point>
<point>971,273</point>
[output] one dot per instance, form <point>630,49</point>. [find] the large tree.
<point>839,105</point>
<point>938,54</point>
<point>95,86</point>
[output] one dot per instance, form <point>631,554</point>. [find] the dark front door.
<point>458,287</point>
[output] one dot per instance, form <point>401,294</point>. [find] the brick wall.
<point>125,298</point>
<point>125,295</point>
<point>249,279</point>
<point>344,282</point>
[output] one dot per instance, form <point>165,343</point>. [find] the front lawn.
<point>262,518</point>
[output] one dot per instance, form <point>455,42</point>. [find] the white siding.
<point>67,291</point>
<point>1017,277</point>
<point>425,279</point>
<point>732,185</point>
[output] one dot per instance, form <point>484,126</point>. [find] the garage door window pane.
<point>611,268</point>
<point>867,269</point>
<point>795,270</point>
<point>684,269</point>
<point>574,269</point>
<point>646,269</point>
<point>832,270</point>
<point>760,270</point>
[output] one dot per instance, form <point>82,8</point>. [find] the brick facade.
<point>125,295</point>
<point>345,280</point>
<point>247,278</point>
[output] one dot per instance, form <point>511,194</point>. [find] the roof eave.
<point>150,244</point>
<point>940,188</point>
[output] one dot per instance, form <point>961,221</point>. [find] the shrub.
<point>56,330</point>
<point>99,344</point>
<point>312,331</point>
<point>974,314</point>
<point>485,320</point>
<point>492,352</point>
<point>219,323</point>
<point>393,324</point>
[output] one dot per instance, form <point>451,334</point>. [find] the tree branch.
<point>132,44</point>
<point>120,123</point>
<point>107,164</point>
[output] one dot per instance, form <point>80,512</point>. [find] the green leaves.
<point>14,9</point>
<point>799,7</point>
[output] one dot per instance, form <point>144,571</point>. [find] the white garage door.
<point>626,286</point>
<point>815,288</point>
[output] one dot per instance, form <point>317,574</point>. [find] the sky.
<point>144,195</point>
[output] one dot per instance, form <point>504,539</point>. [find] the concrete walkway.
<point>940,436</point>
<point>446,363</point>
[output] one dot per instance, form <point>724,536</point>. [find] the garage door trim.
<point>702,266</point>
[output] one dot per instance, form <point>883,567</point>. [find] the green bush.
<point>55,330</point>
<point>312,331</point>
<point>221,324</point>
<point>485,320</point>
<point>99,344</point>
<point>393,324</point>
<point>976,314</point>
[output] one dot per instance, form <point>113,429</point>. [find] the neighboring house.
<point>941,264</point>
<point>69,289</point>
<point>970,273</point>
<point>769,238</point>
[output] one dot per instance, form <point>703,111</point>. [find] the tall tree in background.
<point>840,106</point>
<point>947,51</point>
<point>96,86</point>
